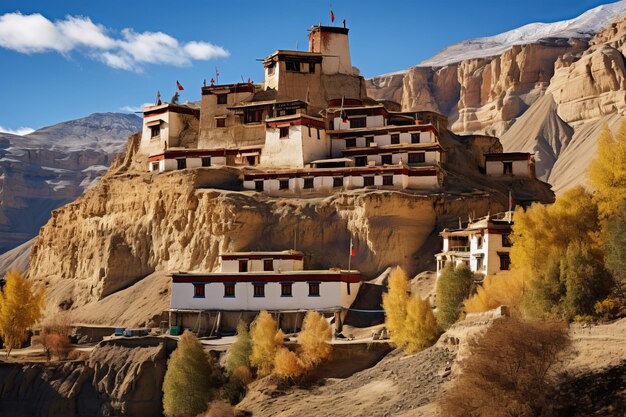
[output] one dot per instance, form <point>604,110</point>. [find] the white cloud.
<point>35,34</point>
<point>21,131</point>
<point>134,109</point>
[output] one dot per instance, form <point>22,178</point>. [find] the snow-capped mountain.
<point>582,27</point>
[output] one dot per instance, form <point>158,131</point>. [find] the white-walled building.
<point>273,281</point>
<point>168,126</point>
<point>508,164</point>
<point>483,245</point>
<point>175,159</point>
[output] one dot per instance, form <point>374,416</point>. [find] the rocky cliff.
<point>120,378</point>
<point>114,245</point>
<point>52,166</point>
<point>542,88</point>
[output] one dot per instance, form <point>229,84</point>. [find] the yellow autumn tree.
<point>543,231</point>
<point>313,340</point>
<point>395,306</point>
<point>420,329</point>
<point>607,173</point>
<point>20,308</point>
<point>267,339</point>
<point>287,364</point>
<point>504,288</point>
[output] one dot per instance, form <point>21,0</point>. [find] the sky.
<point>61,59</point>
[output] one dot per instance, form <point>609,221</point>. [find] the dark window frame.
<point>395,139</point>
<point>258,289</point>
<point>387,179</point>
<point>417,157</point>
<point>415,138</point>
<point>259,186</point>
<point>311,67</point>
<point>243,265</point>
<point>351,143</point>
<point>268,264</point>
<point>222,98</point>
<point>229,290</point>
<point>199,290</point>
<point>314,288</point>
<point>505,261</point>
<point>220,122</point>
<point>337,182</point>
<point>368,180</point>
<point>206,161</point>
<point>181,163</point>
<point>308,183</point>
<point>154,129</point>
<point>283,184</point>
<point>286,289</point>
<point>292,66</point>
<point>358,122</point>
<point>368,141</point>
<point>283,132</point>
<point>506,240</point>
<point>360,161</point>
<point>507,168</point>
<point>386,159</point>
<point>156,166</point>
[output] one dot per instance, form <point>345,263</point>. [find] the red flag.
<point>179,86</point>
<point>332,15</point>
<point>352,251</point>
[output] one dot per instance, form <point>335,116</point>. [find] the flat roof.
<point>293,116</point>
<point>390,128</point>
<point>289,252</point>
<point>321,161</point>
<point>326,275</point>
<point>395,147</point>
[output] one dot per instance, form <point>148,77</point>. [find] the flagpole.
<point>350,256</point>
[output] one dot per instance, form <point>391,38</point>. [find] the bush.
<point>219,409</point>
<point>266,340</point>
<point>453,286</point>
<point>287,364</point>
<point>610,308</point>
<point>409,319</point>
<point>191,379</point>
<point>511,371</point>
<point>504,288</point>
<point>54,336</point>
<point>240,351</point>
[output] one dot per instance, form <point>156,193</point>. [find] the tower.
<point>332,43</point>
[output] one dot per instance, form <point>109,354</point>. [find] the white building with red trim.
<point>510,164</point>
<point>273,281</point>
<point>483,245</point>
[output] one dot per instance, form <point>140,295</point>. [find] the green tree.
<point>546,293</point>
<point>586,280</point>
<point>191,380</point>
<point>615,246</point>
<point>240,351</point>
<point>453,286</point>
<point>395,306</point>
<point>267,339</point>
<point>20,308</point>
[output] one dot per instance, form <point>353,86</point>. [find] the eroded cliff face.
<point>550,98</point>
<point>121,378</point>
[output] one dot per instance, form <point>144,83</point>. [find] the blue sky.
<point>61,60</point>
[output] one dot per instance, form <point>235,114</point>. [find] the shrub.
<point>54,336</point>
<point>219,409</point>
<point>313,340</point>
<point>266,340</point>
<point>239,352</point>
<point>453,286</point>
<point>610,308</point>
<point>511,371</point>
<point>191,379</point>
<point>504,288</point>
<point>20,308</point>
<point>287,364</point>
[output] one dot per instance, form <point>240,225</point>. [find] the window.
<point>285,289</point>
<point>318,133</point>
<point>357,122</point>
<point>309,129</point>
<point>283,184</point>
<point>181,163</point>
<point>415,138</point>
<point>337,182</point>
<point>206,161</point>
<point>348,287</point>
<point>311,67</point>
<point>314,289</point>
<point>252,116</point>
<point>220,122</point>
<point>284,132</point>
<point>259,289</point>
<point>222,98</point>
<point>292,66</point>
<point>395,138</point>
<point>417,158</point>
<point>243,265</point>
<point>368,141</point>
<point>386,159</point>
<point>387,179</point>
<point>268,264</point>
<point>479,242</point>
<point>155,166</point>
<point>155,131</point>
<point>308,182</point>
<point>480,265</point>
<point>505,261</point>
<point>368,181</point>
<point>258,186</point>
<point>271,69</point>
<point>198,290</point>
<point>507,168</point>
<point>360,161</point>
<point>506,240</point>
<point>229,290</point>
<point>351,143</point>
